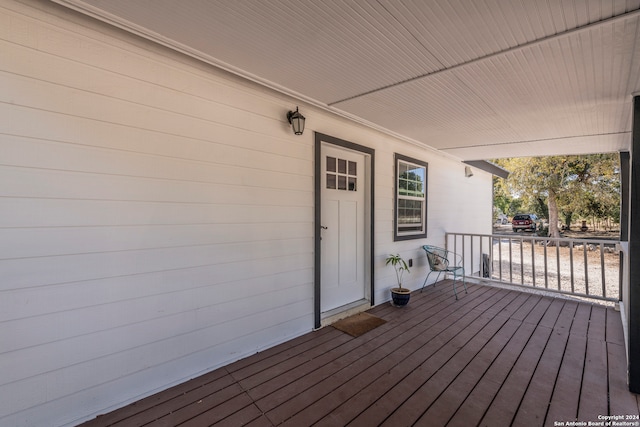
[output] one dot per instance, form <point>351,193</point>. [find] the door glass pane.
<point>353,168</point>
<point>331,181</point>
<point>342,166</point>
<point>331,164</point>
<point>342,182</point>
<point>352,184</point>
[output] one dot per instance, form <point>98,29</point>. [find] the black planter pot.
<point>400,297</point>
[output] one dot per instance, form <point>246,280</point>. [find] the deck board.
<point>426,393</point>
<point>593,396</point>
<point>597,323</point>
<point>471,411</point>
<point>397,354</point>
<point>494,357</point>
<point>540,388</point>
<point>566,393</point>
<point>452,398</point>
<point>620,400</point>
<point>505,403</point>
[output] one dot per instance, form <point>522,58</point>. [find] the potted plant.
<point>400,296</point>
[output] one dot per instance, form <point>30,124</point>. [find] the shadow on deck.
<point>495,357</point>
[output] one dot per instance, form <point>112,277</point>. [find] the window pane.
<point>411,180</point>
<point>419,172</point>
<point>331,181</point>
<point>402,186</point>
<point>409,213</point>
<point>353,168</point>
<point>342,182</point>
<point>342,166</point>
<point>352,184</point>
<point>331,164</point>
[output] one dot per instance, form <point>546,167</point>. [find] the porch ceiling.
<point>477,80</point>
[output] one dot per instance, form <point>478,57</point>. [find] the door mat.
<point>358,324</point>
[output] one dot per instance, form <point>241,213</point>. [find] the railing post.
<point>558,264</point>
<point>546,264</point>
<point>472,257</point>
<point>573,289</point>
<point>481,272</point>
<point>500,257</point>
<point>510,261</point>
<point>533,262</point>
<point>586,269</point>
<point>522,260</point>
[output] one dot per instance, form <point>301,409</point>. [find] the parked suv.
<point>525,222</point>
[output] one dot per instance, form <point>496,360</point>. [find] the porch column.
<point>634,253</point>
<point>625,165</point>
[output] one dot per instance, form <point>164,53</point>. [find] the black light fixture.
<point>297,121</point>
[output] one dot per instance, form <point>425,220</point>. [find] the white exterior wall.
<point>156,216</point>
<point>455,203</point>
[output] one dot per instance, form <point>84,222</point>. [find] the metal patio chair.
<point>447,262</point>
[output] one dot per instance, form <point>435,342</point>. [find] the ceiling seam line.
<point>410,32</point>
<point>623,17</point>
<point>536,140</point>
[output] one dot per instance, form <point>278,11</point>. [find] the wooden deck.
<point>493,358</point>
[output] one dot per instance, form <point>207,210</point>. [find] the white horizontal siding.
<point>48,241</point>
<point>26,272</point>
<point>156,216</point>
<point>156,220</point>
<point>23,212</point>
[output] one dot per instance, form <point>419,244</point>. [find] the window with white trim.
<point>410,215</point>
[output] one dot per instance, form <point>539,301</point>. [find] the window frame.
<point>399,235</point>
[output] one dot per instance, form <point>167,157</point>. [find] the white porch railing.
<point>583,268</point>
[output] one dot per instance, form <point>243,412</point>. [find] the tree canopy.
<point>569,186</point>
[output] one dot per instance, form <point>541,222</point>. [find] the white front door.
<point>343,189</point>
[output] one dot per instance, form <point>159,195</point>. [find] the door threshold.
<point>341,312</point>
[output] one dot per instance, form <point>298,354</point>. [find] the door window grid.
<point>341,174</point>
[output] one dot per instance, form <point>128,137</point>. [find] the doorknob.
<point>323,227</point>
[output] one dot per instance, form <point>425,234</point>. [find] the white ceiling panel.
<point>289,42</point>
<point>461,115</point>
<point>475,79</point>
<point>551,147</point>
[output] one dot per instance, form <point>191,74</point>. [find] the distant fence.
<point>578,267</point>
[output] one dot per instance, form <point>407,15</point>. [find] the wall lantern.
<point>297,121</point>
<point>467,172</point>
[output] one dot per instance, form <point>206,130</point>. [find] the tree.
<point>569,184</point>
<point>535,178</point>
<point>503,201</point>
